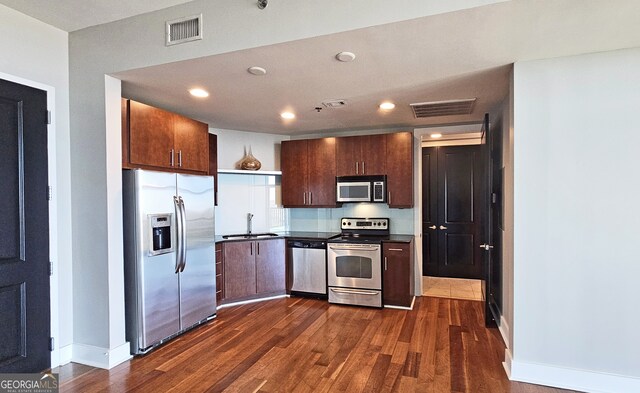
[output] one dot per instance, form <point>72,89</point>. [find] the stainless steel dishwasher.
<point>308,264</point>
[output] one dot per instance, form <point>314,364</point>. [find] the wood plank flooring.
<point>306,345</point>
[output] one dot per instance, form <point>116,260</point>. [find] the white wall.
<point>233,145</point>
<point>36,54</point>
<point>576,222</point>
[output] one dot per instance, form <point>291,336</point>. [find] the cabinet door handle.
<point>310,198</point>
<point>363,171</point>
<point>180,158</point>
<point>304,198</point>
<point>389,198</point>
<point>171,160</point>
<point>251,244</point>
<point>357,167</point>
<point>258,245</point>
<point>385,264</point>
<point>395,249</point>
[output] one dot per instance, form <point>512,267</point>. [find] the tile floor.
<point>453,288</point>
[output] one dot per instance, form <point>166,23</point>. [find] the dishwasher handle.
<point>307,244</point>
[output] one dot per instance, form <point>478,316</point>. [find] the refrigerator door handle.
<point>183,241</point>
<point>179,230</point>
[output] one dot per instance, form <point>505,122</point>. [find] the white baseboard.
<point>504,331</point>
<point>575,379</point>
<point>65,354</point>
<point>508,359</point>
<point>100,357</point>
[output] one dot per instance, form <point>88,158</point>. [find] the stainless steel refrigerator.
<point>170,278</point>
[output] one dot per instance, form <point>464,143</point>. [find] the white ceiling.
<point>456,55</point>
<point>71,15</point>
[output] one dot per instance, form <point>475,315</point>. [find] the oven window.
<point>352,266</point>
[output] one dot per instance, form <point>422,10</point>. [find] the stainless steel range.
<point>354,262</point>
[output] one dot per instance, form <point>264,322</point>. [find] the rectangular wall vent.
<point>443,108</point>
<point>184,30</point>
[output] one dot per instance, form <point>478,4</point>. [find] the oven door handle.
<point>362,248</point>
<point>354,291</point>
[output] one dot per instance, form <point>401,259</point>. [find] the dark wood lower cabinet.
<point>219,273</point>
<point>253,269</point>
<point>398,274</point>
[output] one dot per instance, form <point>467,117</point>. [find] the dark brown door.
<point>294,173</point>
<point>398,280</point>
<point>270,266</point>
<point>239,269</point>
<point>322,172</point>
<point>430,211</point>
<point>458,185</point>
<point>492,227</point>
<point>151,136</point>
<point>24,230</point>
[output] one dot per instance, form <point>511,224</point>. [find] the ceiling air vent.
<point>184,30</point>
<point>443,108</point>
<point>334,103</point>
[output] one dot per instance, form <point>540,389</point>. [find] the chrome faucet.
<point>249,219</point>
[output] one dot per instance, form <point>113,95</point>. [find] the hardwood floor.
<point>305,345</point>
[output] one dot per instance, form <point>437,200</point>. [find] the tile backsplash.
<point>328,220</point>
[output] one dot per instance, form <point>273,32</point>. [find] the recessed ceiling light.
<point>387,106</point>
<point>257,71</point>
<point>345,57</point>
<point>436,135</point>
<point>199,93</point>
<point>288,115</point>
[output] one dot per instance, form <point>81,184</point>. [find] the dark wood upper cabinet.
<point>398,275</point>
<point>399,157</point>
<point>361,155</point>
<point>157,139</point>
<point>151,136</point>
<point>191,142</point>
<point>309,173</point>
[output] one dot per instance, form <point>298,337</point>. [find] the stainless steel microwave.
<point>361,189</point>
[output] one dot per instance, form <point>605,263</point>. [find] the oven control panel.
<point>369,224</point>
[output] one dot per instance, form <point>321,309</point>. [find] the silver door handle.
<point>304,198</point>
<point>395,249</point>
<point>258,247</point>
<point>310,198</point>
<point>356,167</point>
<point>183,215</point>
<point>363,170</point>
<point>180,158</point>
<point>358,248</point>
<point>171,160</point>
<point>251,248</point>
<point>389,199</point>
<point>486,246</point>
<point>443,227</point>
<point>385,264</point>
<point>351,291</point>
<point>433,227</point>
<point>176,203</point>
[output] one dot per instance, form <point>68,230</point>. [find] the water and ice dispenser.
<point>160,225</point>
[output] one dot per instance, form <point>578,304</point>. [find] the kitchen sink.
<point>250,236</point>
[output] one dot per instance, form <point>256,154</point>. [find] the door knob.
<point>443,227</point>
<point>486,246</point>
<point>432,227</point>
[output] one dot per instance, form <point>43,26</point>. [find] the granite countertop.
<point>399,238</point>
<point>288,235</point>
